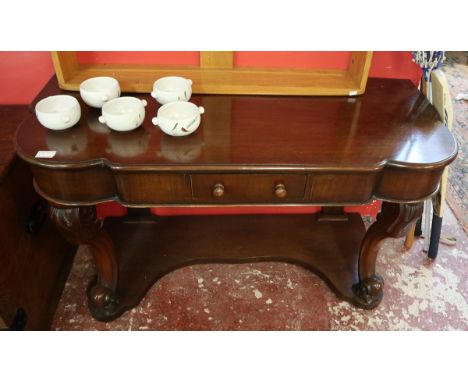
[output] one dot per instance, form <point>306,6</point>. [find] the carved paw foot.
<point>104,304</point>
<point>369,292</point>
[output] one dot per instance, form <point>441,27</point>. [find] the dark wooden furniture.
<point>34,259</point>
<point>249,150</point>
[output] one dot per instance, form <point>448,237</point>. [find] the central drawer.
<point>248,188</point>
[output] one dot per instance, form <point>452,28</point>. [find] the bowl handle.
<point>65,118</point>
<point>155,121</point>
<point>104,98</point>
<point>143,101</point>
<point>102,119</point>
<point>201,109</point>
<point>189,81</point>
<point>153,94</point>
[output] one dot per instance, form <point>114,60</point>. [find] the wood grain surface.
<point>388,144</point>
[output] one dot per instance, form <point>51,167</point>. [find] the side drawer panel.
<point>342,188</point>
<point>152,188</point>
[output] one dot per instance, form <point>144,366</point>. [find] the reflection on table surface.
<point>392,121</point>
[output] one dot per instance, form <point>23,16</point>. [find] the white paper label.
<point>46,154</point>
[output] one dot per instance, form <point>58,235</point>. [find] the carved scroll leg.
<point>80,225</point>
<point>393,221</point>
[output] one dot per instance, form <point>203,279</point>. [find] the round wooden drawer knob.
<point>280,191</point>
<point>218,190</point>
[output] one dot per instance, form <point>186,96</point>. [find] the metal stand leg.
<point>435,236</point>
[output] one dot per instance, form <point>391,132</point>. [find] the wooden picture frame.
<point>217,75</point>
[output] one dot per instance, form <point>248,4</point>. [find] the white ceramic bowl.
<point>178,118</point>
<point>124,113</point>
<point>171,89</point>
<point>58,112</point>
<point>98,90</point>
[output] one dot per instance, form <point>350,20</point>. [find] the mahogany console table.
<point>249,150</point>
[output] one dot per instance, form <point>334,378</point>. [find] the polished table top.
<point>392,124</point>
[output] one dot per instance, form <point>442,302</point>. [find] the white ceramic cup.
<point>58,112</point>
<point>124,113</point>
<point>178,118</point>
<point>171,89</point>
<point>98,90</point>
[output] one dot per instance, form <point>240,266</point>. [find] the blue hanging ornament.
<point>428,61</point>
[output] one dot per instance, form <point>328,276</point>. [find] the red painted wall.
<point>394,65</point>
<point>140,58</point>
<point>22,75</point>
<point>302,60</point>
